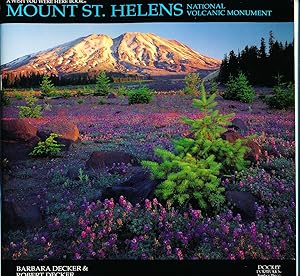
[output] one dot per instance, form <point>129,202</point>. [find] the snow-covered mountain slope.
<point>142,53</point>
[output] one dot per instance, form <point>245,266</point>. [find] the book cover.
<point>149,136</point>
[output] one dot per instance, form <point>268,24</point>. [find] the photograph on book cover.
<point>166,132</point>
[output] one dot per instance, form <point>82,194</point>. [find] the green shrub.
<point>202,88</point>
<point>239,89</point>
<point>122,91</point>
<point>47,87</point>
<point>18,95</point>
<point>49,147</point>
<point>140,95</point>
<point>66,94</point>
<point>283,96</point>
<point>32,92</point>
<point>102,85</point>
<point>192,83</point>
<point>213,87</point>
<point>82,177</point>
<point>31,110</point>
<point>187,179</point>
<point>192,173</point>
<point>86,90</point>
<point>80,101</point>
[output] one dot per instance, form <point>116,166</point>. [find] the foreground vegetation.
<point>192,218</point>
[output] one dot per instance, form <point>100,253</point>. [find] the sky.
<point>211,39</point>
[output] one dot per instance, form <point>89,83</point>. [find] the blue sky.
<point>211,39</point>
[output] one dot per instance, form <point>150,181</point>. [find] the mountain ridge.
<point>130,52</point>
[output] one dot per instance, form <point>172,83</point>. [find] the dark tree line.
<point>261,65</point>
<point>12,80</point>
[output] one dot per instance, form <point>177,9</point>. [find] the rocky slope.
<point>141,53</point>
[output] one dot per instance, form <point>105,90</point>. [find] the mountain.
<point>133,53</point>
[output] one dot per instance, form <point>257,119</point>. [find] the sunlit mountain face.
<point>133,53</point>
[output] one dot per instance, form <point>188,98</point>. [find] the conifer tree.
<point>239,89</point>
<point>102,84</point>
<point>47,86</point>
<point>224,72</point>
<point>192,173</point>
<point>192,83</point>
<point>262,49</point>
<point>271,42</point>
<point>202,87</point>
<point>213,89</point>
<point>259,65</point>
<point>233,63</point>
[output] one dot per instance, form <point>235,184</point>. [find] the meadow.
<point>62,197</point>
